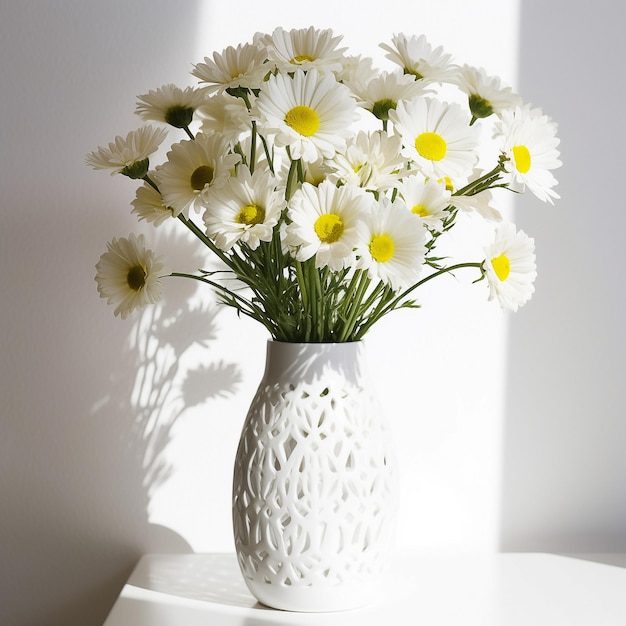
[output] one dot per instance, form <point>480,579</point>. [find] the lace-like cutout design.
<point>314,485</point>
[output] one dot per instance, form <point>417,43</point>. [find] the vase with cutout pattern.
<point>314,489</point>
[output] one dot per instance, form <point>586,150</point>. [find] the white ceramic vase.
<point>314,491</point>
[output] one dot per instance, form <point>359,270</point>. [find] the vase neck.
<point>307,361</point>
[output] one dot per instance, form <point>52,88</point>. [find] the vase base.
<point>313,598</point>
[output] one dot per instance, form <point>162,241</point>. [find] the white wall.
<point>110,447</point>
<point>564,478</point>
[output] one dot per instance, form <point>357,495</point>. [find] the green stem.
<point>355,306</point>
<point>317,301</point>
<point>376,314</point>
<point>294,177</point>
<point>242,305</point>
<point>396,301</point>
<point>268,156</point>
<point>250,308</point>
<point>304,294</point>
<point>151,183</point>
<point>348,296</point>
<point>205,240</point>
<point>479,184</point>
<point>252,148</point>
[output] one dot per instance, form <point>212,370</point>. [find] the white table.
<point>494,590</point>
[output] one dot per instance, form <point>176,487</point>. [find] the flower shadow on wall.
<point>166,370</point>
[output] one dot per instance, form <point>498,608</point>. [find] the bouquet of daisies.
<point>323,185</point>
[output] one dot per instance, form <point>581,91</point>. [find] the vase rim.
<point>314,343</point>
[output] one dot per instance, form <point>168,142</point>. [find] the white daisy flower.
<point>528,138</point>
<point>510,267</point>
<point>313,172</point>
<point>324,223</point>
<point>370,160</point>
<point>356,71</point>
<point>128,155</point>
<point>479,203</point>
<point>437,136</point>
<point>427,199</point>
<point>148,205</point>
<point>485,94</point>
<point>305,48</point>
<point>225,114</point>
<point>417,57</point>
<point>242,66</point>
<point>128,275</point>
<point>308,112</point>
<point>391,244</point>
<point>382,93</point>
<point>245,209</point>
<point>170,104</point>
<point>191,167</point>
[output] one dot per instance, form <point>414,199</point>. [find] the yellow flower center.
<point>421,210</point>
<point>303,120</point>
<point>301,58</point>
<point>501,266</point>
<point>136,277</point>
<point>329,227</point>
<point>250,215</point>
<point>521,154</point>
<point>382,248</point>
<point>431,146</point>
<point>201,176</point>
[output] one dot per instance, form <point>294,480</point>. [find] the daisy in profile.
<point>324,223</point>
<point>226,115</point>
<point>128,155</point>
<point>486,96</point>
<point>171,105</point>
<point>382,93</point>
<point>304,48</point>
<point>391,244</point>
<point>245,209</point>
<point>355,70</point>
<point>148,204</point>
<point>308,112</point>
<point>427,199</point>
<point>480,203</point>
<point>371,160</point>
<point>191,167</point>
<point>242,66</point>
<point>417,57</point>
<point>510,267</point>
<point>437,136</point>
<point>314,173</point>
<point>128,275</point>
<point>528,138</point>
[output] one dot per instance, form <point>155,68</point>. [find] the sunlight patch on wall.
<point>440,370</point>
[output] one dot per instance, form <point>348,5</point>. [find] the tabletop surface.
<point>517,589</point>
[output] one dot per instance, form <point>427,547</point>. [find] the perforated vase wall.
<point>314,481</point>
